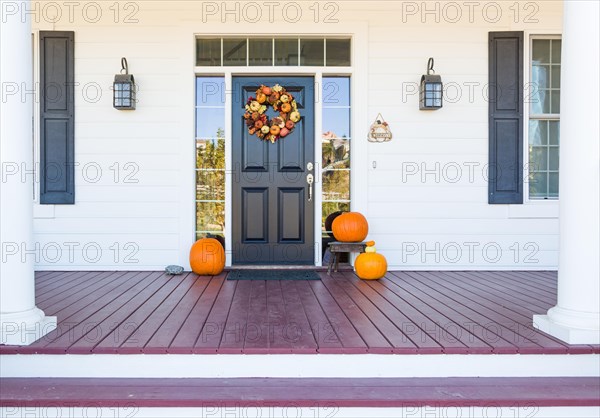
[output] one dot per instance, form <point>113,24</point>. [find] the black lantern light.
<point>124,89</point>
<point>431,92</point>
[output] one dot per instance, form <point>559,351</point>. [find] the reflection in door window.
<point>210,156</point>
<point>335,143</point>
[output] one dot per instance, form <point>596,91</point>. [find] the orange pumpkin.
<point>370,243</point>
<point>207,257</point>
<point>370,266</point>
<point>350,227</point>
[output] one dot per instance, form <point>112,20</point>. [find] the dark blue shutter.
<point>57,112</point>
<point>505,117</point>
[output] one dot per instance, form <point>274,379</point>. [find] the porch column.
<point>576,317</point>
<point>20,321</point>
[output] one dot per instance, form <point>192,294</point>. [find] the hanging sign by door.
<point>380,130</point>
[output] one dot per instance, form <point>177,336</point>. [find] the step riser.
<point>313,412</point>
<point>360,365</point>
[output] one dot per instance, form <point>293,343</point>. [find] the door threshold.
<point>275,267</point>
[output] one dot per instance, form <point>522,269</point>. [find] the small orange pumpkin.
<point>370,265</point>
<point>350,227</point>
<point>370,243</point>
<point>207,257</point>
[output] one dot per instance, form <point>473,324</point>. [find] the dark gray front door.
<point>273,217</point>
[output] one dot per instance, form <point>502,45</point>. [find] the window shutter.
<point>505,181</point>
<point>57,111</point>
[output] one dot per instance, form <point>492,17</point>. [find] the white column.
<point>576,317</point>
<point>21,322</point>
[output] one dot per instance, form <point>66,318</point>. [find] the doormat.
<point>273,275</point>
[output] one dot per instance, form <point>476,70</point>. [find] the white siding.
<point>425,200</point>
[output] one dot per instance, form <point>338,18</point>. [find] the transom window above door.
<point>266,51</point>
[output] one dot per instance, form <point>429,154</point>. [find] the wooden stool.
<point>335,248</point>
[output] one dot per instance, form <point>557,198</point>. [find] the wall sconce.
<point>431,92</point>
<point>124,89</point>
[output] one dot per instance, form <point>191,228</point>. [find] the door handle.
<point>310,179</point>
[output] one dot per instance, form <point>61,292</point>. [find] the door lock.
<point>309,166</point>
<point>310,179</point>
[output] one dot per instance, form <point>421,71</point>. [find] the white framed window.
<point>544,117</point>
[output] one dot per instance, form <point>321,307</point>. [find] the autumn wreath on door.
<point>281,101</point>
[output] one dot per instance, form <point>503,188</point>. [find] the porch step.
<point>263,392</point>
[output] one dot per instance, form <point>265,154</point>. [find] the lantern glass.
<point>124,92</point>
<point>431,93</point>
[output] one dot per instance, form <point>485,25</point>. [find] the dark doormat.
<point>273,275</point>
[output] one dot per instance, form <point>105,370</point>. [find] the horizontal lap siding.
<point>428,195</point>
<point>129,164</point>
<point>158,136</point>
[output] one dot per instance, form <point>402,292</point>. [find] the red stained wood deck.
<point>527,394</point>
<point>430,312</point>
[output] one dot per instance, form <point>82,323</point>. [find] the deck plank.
<point>398,341</point>
<point>232,340</point>
<point>322,330</point>
<point>256,340</point>
<point>500,340</point>
<point>351,339</point>
<point>166,332</point>
<point>192,326</point>
<point>324,395</point>
<point>299,331</point>
<point>424,343</point>
<point>210,336</point>
<point>88,331</point>
<point>422,312</point>
<point>519,288</point>
<point>437,322</point>
<point>113,341</point>
<point>144,332</point>
<point>528,339</point>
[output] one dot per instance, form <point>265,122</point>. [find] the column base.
<point>562,324</point>
<point>24,328</point>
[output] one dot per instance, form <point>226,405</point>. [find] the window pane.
<point>554,133</point>
<point>312,52</point>
<point>538,132</point>
<point>541,51</point>
<point>555,108</point>
<point>336,122</point>
<point>336,91</point>
<point>261,52</point>
<point>234,52</point>
<point>286,52</point>
<point>336,153</point>
<point>540,102</point>
<point>210,216</point>
<point>556,51</point>
<point>331,207</point>
<point>208,52</point>
<point>555,78</point>
<point>338,52</point>
<point>210,185</point>
<point>210,122</point>
<point>210,153</point>
<point>538,185</point>
<point>553,158</point>
<point>210,91</point>
<point>538,158</point>
<point>336,185</point>
<point>540,76</point>
<point>553,185</point>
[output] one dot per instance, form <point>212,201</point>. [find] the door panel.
<point>273,220</point>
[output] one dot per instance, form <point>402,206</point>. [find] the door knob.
<point>310,179</point>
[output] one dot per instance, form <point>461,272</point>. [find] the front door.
<point>273,204</point>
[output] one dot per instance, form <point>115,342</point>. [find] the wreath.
<point>259,123</point>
